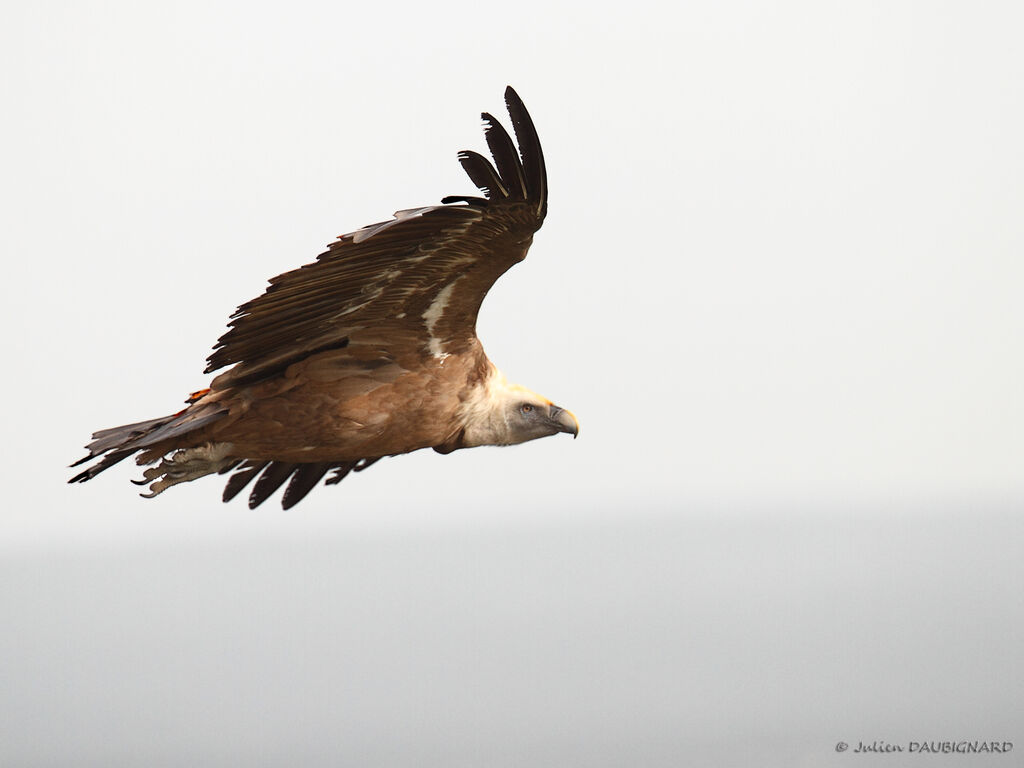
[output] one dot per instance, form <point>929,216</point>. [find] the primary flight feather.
<point>370,351</point>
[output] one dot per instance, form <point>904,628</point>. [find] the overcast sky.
<point>780,284</point>
<point>782,262</point>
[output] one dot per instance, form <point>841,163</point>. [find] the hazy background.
<point>780,285</point>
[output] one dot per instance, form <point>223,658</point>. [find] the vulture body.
<point>370,351</point>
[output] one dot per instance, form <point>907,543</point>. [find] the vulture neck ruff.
<point>485,412</point>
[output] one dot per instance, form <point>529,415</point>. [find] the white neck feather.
<point>485,412</point>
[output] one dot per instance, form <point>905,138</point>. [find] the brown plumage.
<point>370,351</point>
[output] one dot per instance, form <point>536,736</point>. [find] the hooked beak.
<point>564,421</point>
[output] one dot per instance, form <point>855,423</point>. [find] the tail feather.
<point>190,420</point>
<point>113,445</point>
<point>108,439</point>
<point>108,461</point>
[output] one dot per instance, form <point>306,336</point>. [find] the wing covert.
<point>387,280</point>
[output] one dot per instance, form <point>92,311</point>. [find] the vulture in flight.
<point>370,351</point>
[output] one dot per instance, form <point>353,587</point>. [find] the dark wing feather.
<point>378,282</point>
<point>505,157</point>
<point>341,471</point>
<point>304,478</point>
<point>273,477</point>
<point>478,201</point>
<point>303,481</point>
<point>237,482</point>
<point>529,147</point>
<point>481,173</point>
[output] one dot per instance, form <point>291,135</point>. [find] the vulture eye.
<point>526,408</point>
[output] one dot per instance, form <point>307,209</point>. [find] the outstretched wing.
<point>410,287</point>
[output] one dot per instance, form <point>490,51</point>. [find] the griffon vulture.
<point>370,351</point>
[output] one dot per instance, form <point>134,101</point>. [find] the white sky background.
<point>782,265</point>
<point>780,284</point>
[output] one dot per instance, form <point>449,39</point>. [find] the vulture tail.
<point>156,437</point>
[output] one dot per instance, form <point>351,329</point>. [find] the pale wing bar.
<point>354,282</point>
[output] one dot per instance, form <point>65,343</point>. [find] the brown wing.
<point>304,478</point>
<point>410,287</point>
